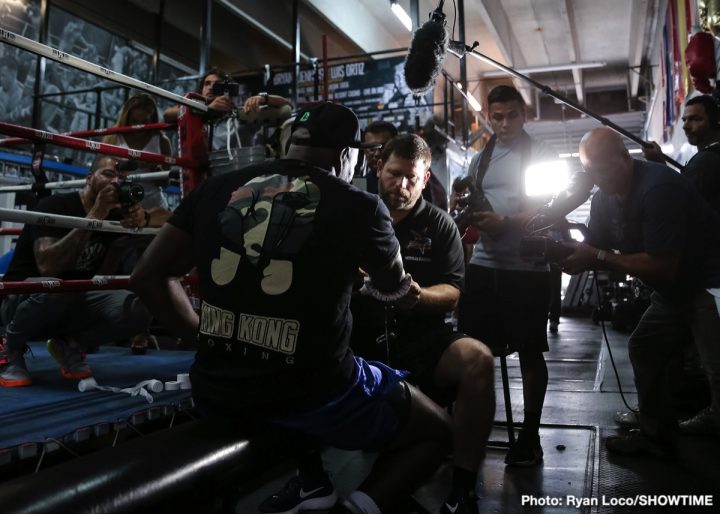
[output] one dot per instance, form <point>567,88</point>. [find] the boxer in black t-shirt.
<point>277,246</point>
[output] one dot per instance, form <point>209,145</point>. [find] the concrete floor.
<point>582,398</point>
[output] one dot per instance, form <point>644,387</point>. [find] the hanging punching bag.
<point>700,61</point>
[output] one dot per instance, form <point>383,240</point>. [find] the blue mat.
<point>53,406</point>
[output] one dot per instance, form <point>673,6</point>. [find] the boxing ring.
<point>58,416</point>
<point>53,414</point>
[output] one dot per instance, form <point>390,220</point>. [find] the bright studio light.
<point>469,97</point>
<point>577,235</point>
<point>546,178</point>
<point>402,15</point>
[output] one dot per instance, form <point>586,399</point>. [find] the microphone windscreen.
<point>426,55</point>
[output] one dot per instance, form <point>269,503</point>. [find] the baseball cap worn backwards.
<point>328,125</point>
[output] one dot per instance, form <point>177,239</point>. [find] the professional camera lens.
<point>129,192</point>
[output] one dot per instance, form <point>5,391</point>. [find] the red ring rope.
<point>99,283</point>
<point>93,146</point>
<point>11,141</point>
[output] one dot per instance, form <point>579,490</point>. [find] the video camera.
<point>543,249</point>
<point>226,87</point>
<point>549,228</point>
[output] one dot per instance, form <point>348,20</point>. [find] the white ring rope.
<point>75,62</point>
<point>67,184</point>
<point>59,220</point>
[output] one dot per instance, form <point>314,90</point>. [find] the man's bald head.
<point>605,158</point>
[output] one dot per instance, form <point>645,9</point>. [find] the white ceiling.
<point>524,34</point>
<point>621,35</point>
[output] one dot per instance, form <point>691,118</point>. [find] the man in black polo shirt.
<point>666,235</point>
<point>412,333</point>
<point>277,247</point>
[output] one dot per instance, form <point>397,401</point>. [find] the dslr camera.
<point>467,205</point>
<point>129,193</point>
<point>226,87</point>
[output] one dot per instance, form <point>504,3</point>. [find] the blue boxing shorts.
<point>365,417</point>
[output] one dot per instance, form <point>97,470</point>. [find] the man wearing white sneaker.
<point>666,235</point>
<point>72,321</point>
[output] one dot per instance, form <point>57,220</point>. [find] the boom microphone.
<point>427,52</point>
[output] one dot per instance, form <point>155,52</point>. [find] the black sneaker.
<point>525,452</point>
<point>295,498</point>
<point>463,505</point>
<point>703,423</point>
<point>638,444</point>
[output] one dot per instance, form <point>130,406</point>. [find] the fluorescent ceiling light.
<point>469,97</point>
<point>402,15</point>
<point>549,68</point>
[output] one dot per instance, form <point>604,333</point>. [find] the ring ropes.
<point>29,135</point>
<point>12,141</point>
<point>193,145</point>
<point>98,283</point>
<point>193,149</point>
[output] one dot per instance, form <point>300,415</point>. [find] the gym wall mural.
<point>70,98</point>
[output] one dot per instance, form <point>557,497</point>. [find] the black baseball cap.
<point>328,125</point>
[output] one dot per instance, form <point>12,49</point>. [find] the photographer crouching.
<point>72,321</point>
<point>667,236</point>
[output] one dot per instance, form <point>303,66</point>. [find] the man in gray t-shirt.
<point>505,302</point>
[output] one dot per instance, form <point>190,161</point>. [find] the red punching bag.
<point>700,60</point>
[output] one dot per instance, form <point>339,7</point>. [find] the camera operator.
<point>221,102</point>
<point>73,321</point>
<point>500,287</point>
<point>701,124</point>
<point>667,236</point>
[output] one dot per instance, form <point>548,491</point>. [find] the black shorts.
<point>505,308</point>
<point>417,352</point>
<point>420,355</point>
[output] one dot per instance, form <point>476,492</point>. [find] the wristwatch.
<point>264,96</point>
<point>601,255</point>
